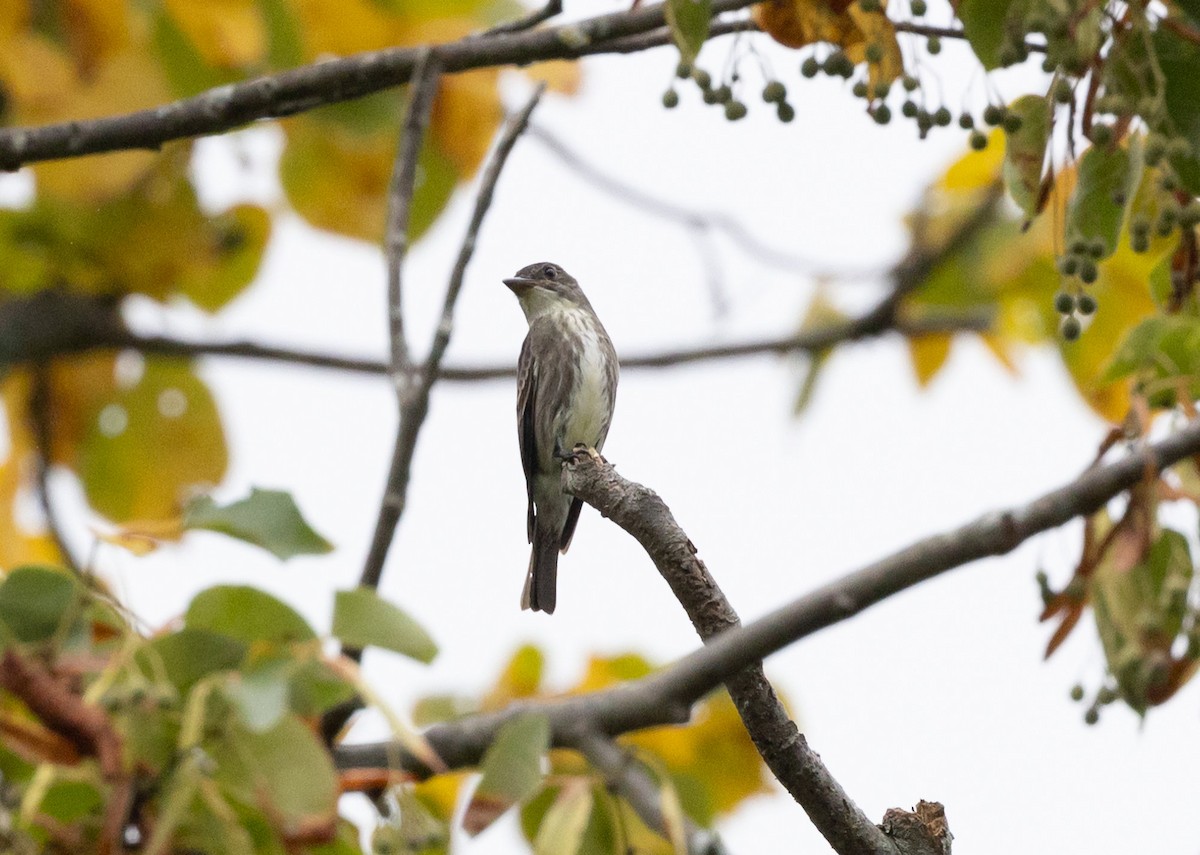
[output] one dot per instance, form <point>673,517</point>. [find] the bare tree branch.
<point>701,222</point>
<point>528,22</point>
<point>403,184</point>
<point>808,341</point>
<point>666,696</point>
<point>628,779</point>
<point>332,81</point>
<point>786,752</point>
<point>42,424</point>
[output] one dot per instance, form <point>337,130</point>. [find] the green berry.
<point>874,52</point>
<point>882,89</point>
<point>924,121</point>
<point>942,117</point>
<point>785,111</point>
<point>919,7</point>
<point>1097,247</point>
<point>1102,134</point>
<point>933,45</point>
<point>735,110</point>
<point>1106,696</point>
<point>1168,183</point>
<point>909,83</point>
<point>1087,304</point>
<point>709,96</point>
<point>1139,242</point>
<point>1140,224</point>
<point>1012,123</point>
<point>1064,303</point>
<point>966,121</point>
<point>703,78</point>
<point>1049,64</point>
<point>1088,272</point>
<point>860,89</point>
<point>810,67</point>
<point>883,114</point>
<point>1062,91</point>
<point>684,70</point>
<point>993,114</point>
<point>1070,328</point>
<point>870,5</point>
<point>1068,265</point>
<point>1092,716</point>
<point>1077,693</point>
<point>908,109</point>
<point>724,94</point>
<point>1009,56</point>
<point>774,92</point>
<point>978,140</point>
<point>1077,246</point>
<point>670,99</point>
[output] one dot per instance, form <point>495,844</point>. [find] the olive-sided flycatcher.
<point>566,387</point>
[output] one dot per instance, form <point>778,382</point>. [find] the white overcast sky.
<point>940,693</point>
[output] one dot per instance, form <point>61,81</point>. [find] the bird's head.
<point>546,287</point>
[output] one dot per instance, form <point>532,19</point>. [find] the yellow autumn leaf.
<point>97,29</point>
<point>439,793</point>
<point>521,678</point>
<point>796,23</point>
<point>153,443</point>
<point>466,113</point>
<point>560,75</point>
<point>37,75</point>
<point>120,84</point>
<point>142,537</point>
<point>928,353</point>
<point>18,544</point>
<point>226,33</point>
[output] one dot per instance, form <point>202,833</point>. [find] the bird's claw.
<point>583,448</point>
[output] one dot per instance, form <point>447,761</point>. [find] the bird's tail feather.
<point>541,581</point>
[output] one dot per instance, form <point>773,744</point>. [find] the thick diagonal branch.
<point>665,696</point>
<point>644,515</point>
<point>331,81</point>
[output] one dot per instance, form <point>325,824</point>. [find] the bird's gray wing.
<point>526,427</point>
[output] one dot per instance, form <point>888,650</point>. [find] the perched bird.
<point>566,387</point>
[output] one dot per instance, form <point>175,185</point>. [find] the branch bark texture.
<point>332,81</point>
<point>641,512</point>
<point>666,696</point>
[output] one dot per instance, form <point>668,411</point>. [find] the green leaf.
<point>1025,152</point>
<point>151,443</point>
<point>266,518</point>
<point>512,770</point>
<point>35,600</point>
<point>688,20</point>
<point>361,618</point>
<point>983,24</point>
<point>260,694</point>
<point>190,655</point>
<point>315,688</point>
<point>285,37</point>
<point>562,829</point>
<point>1191,8</point>
<point>1179,61</point>
<point>247,614</point>
<point>1107,180</point>
<point>286,770</point>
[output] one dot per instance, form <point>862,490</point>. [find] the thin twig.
<point>703,222</point>
<point>805,342</point>
<point>528,22</point>
<point>630,780</point>
<point>400,196</point>
<point>665,696</point>
<point>331,81</point>
<point>42,423</point>
<point>401,192</point>
<point>415,401</point>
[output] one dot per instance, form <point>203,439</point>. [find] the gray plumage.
<point>566,388</point>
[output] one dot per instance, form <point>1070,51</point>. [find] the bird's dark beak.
<point>519,285</point>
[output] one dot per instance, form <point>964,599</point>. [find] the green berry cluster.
<point>773,93</point>
<point>1105,695</point>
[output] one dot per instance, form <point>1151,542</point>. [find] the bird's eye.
<point>550,271</point>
